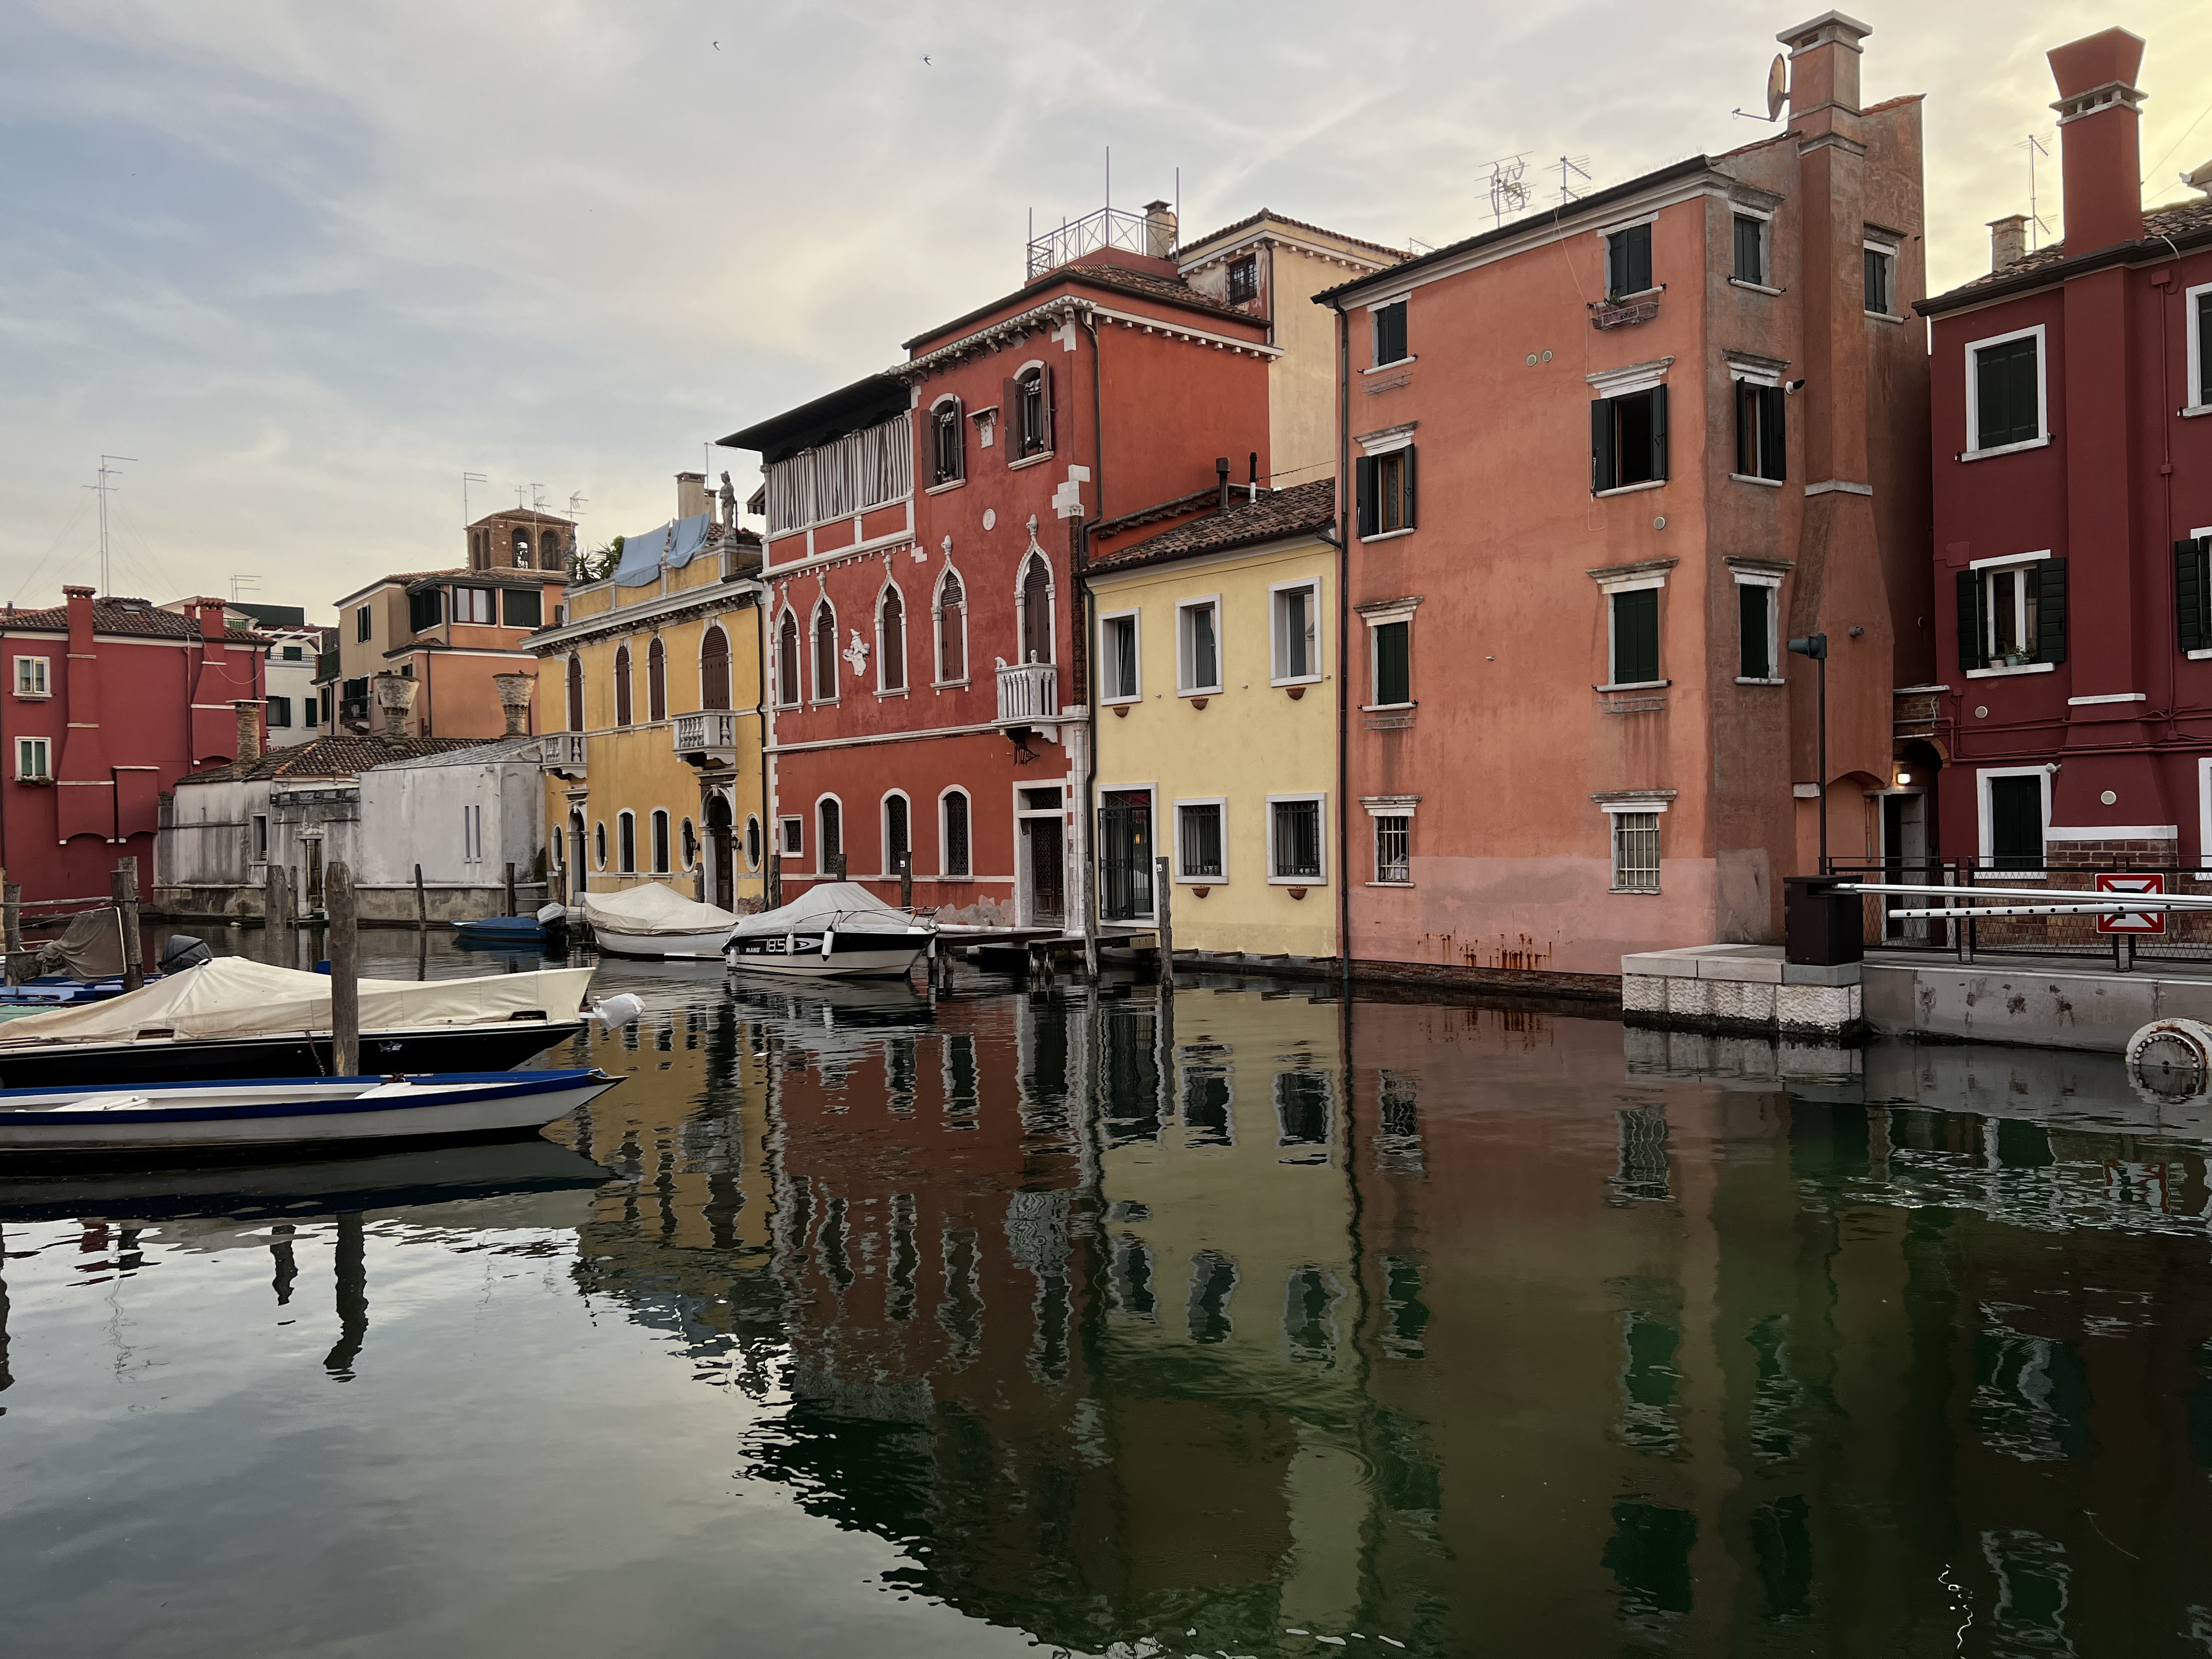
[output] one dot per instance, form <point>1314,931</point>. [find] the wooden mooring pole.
<point>345,944</point>
<point>126,903</point>
<point>510,888</point>
<point>422,904</point>
<point>1162,891</point>
<point>906,880</point>
<point>11,921</point>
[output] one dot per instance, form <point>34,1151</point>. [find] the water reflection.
<point>1268,1319</point>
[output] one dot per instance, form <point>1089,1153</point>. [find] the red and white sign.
<point>2132,921</point>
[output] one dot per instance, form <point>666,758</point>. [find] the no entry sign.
<point>2132,921</point>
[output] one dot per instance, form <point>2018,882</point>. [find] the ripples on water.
<point>860,1324</point>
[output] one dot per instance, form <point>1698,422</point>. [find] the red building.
<point>2072,404</point>
<point>108,702</point>
<point>925,524</point>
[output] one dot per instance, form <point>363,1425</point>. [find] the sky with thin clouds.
<point>308,265</point>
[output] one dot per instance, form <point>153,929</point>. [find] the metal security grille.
<point>1394,838</point>
<point>955,834</point>
<point>1636,851</point>
<point>1124,856</point>
<point>1297,839</point>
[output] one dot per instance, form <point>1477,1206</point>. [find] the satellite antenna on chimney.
<point>1778,91</point>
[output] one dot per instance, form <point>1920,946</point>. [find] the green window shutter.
<point>1405,485</point>
<point>1636,636</point>
<point>1394,679</point>
<point>1603,469</point>
<point>1973,625</point>
<point>1773,434</point>
<point>2189,573</point>
<point>1364,478</point>
<point>1746,462</point>
<point>2051,610</point>
<point>1658,429</point>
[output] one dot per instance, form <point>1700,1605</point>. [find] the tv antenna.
<point>468,478</point>
<point>1778,91</point>
<point>239,584</point>
<point>537,498</point>
<point>576,504</point>
<point>102,490</point>
<point>1507,192</point>
<point>2034,146</point>
<point>1577,165</point>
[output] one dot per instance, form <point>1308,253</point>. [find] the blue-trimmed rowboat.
<point>260,1115</point>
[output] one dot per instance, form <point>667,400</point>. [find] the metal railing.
<point>1133,233</point>
<point>711,728</point>
<point>2035,910</point>
<point>1028,691</point>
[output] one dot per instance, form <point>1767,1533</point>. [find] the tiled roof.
<point>473,754</point>
<point>345,756</point>
<point>1302,509</point>
<point>1389,255</point>
<point>2181,220</point>
<point>121,616</point>
<point>1172,290</point>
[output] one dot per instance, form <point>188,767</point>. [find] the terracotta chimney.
<point>80,619</point>
<point>2008,241</point>
<point>691,494</point>
<point>249,729</point>
<point>514,694</point>
<point>1159,230</point>
<point>2101,139</point>
<point>1824,63</point>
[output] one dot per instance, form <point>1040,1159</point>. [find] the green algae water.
<point>862,1322</point>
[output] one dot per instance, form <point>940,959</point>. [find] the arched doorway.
<point>719,860</point>
<point>577,864</point>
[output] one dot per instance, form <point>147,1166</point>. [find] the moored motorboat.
<point>232,1018</point>
<point>837,930</point>
<point>263,1113</point>
<point>653,920</point>
<point>547,929</point>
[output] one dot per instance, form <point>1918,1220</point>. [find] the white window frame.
<point>44,688</point>
<point>822,841</point>
<point>1184,688</point>
<point>959,424</point>
<point>2204,811</point>
<point>1182,879</point>
<point>1013,416</point>
<point>1277,639</point>
<point>906,661</point>
<point>44,748</point>
<point>884,830</point>
<point>601,849</point>
<point>1389,807</point>
<point>783,847</point>
<point>1983,570</point>
<point>1772,580</point>
<point>1037,555</point>
<point>1985,827</point>
<point>626,815</point>
<point>1605,236</point>
<point>660,827</point>
<point>1320,839</point>
<point>1381,616</point>
<point>753,838</point>
<point>1968,452</point>
<point>2197,366</point>
<point>938,682</point>
<point>945,840</point>
<point>1765,218</point>
<point>1404,297</point>
<point>1110,661</point>
<point>1612,810</point>
<point>813,661</point>
<point>1889,251</point>
<point>1608,586</point>
<point>801,644</point>
<point>687,836</point>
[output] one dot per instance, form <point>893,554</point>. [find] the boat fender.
<point>828,939</point>
<point>614,1010</point>
<point>2172,1060</point>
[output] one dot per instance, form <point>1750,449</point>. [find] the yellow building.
<point>651,694</point>
<point>1214,700</point>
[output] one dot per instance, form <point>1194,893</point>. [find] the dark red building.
<point>2072,417</point>
<point>925,641</point>
<point>108,701</point>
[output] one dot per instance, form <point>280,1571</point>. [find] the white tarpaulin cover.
<point>651,910</point>
<point>850,907</point>
<point>232,997</point>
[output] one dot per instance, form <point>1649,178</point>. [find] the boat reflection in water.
<point>1271,1319</point>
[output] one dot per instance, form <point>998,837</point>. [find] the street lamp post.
<point>1815,645</point>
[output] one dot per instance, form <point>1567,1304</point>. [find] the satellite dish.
<point>1777,86</point>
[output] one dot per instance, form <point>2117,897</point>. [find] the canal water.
<point>859,1321</point>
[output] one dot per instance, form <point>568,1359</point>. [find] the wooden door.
<point>1048,879</point>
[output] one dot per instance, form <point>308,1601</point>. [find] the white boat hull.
<point>649,945</point>
<point>292,1111</point>
<point>852,955</point>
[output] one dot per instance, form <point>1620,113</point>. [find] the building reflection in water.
<point>1432,1323</point>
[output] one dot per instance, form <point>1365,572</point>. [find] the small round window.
<point>600,845</point>
<point>690,845</point>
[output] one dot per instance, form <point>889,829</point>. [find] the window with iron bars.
<point>1393,845</point>
<point>1635,851</point>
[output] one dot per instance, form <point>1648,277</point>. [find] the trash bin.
<point>1820,926</point>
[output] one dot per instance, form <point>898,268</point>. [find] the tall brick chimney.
<point>2101,139</point>
<point>1824,63</point>
<point>691,494</point>
<point>2008,240</point>
<point>249,729</point>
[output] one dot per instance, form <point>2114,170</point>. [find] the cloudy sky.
<point>310,263</point>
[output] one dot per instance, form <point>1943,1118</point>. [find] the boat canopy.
<point>232,997</point>
<point>845,905</point>
<point>651,910</point>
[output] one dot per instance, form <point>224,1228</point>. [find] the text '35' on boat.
<point>233,1018</point>
<point>838,930</point>
<point>264,1114</point>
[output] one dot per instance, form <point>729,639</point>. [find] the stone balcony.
<point>562,754</point>
<point>1029,693</point>
<point>708,738</point>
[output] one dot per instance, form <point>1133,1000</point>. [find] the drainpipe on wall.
<point>1343,655</point>
<point>1086,605</point>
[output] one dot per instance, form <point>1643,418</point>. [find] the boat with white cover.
<point>293,1111</point>
<point>837,930</point>
<point>232,1018</point>
<point>653,920</point>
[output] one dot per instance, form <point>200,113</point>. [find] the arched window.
<point>954,846</point>
<point>600,844</point>
<point>825,654</point>
<point>787,661</point>
<point>522,550</point>
<point>659,842</point>
<point>829,842</point>
<point>715,670</point>
<point>946,449</point>
<point>622,686</point>
<point>656,680</point>
<point>891,642</point>
<point>1031,416</point>
<point>898,840</point>
<point>951,630</point>
<point>575,693</point>
<point>1037,611</point>
<point>690,843</point>
<point>626,841</point>
<point>752,844</point>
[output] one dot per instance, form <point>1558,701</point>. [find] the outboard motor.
<point>554,918</point>
<point>183,951</point>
